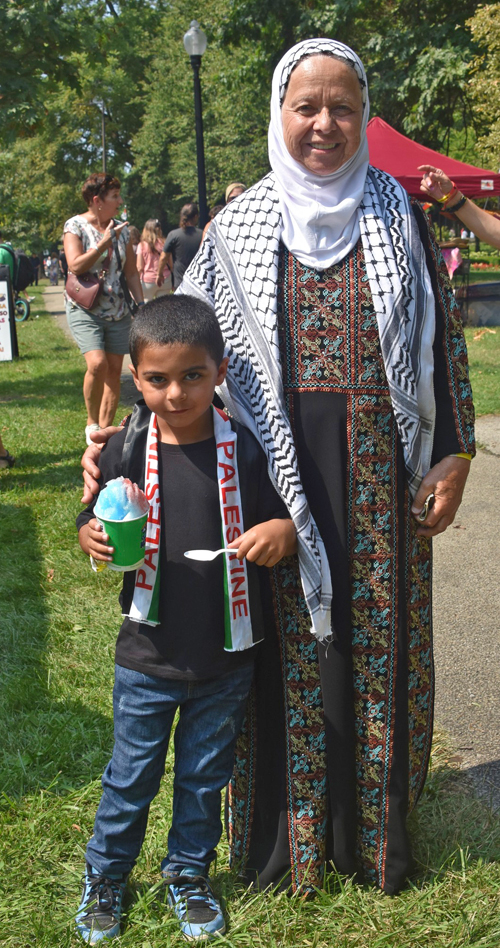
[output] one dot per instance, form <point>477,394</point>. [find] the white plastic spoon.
<point>206,554</point>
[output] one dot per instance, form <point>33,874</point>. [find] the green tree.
<point>42,169</point>
<point>484,85</point>
<point>235,114</point>
<point>418,61</point>
<point>38,36</point>
<point>417,56</point>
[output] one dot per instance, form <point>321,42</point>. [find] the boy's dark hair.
<point>176,320</point>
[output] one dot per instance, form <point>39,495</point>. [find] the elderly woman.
<point>347,361</point>
<point>101,332</point>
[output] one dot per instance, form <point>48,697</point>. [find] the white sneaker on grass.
<point>90,430</point>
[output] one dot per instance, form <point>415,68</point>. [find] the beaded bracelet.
<point>457,206</point>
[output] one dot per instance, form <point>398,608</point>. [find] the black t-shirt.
<point>189,641</point>
<point>183,244</point>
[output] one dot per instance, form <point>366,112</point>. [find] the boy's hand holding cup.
<point>97,542</point>
<point>117,536</point>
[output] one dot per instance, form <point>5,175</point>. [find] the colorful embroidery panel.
<point>241,788</point>
<point>328,330</point>
<point>329,338</point>
<point>305,734</point>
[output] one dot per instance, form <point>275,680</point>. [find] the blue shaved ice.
<point>120,499</point>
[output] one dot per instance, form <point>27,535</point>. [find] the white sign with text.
<point>5,330</point>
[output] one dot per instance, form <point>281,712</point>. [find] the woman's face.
<point>109,203</point>
<point>322,114</point>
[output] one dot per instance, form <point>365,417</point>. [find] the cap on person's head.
<point>232,187</point>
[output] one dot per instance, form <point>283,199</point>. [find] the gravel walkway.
<point>467,619</point>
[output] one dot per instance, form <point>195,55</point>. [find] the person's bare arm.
<point>436,184</point>
<point>266,543</point>
<point>79,261</point>
<point>140,262</point>
<point>446,480</point>
<point>132,276</point>
<point>165,260</point>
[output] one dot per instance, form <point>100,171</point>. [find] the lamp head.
<point>195,40</point>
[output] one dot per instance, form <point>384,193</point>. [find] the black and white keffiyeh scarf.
<point>236,271</point>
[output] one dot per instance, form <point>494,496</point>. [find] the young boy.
<point>185,642</point>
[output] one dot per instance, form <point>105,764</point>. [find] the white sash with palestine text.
<point>145,602</point>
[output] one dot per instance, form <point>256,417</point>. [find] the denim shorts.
<point>91,332</point>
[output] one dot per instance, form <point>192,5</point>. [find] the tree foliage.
<point>65,60</point>
<point>51,139</point>
<point>38,37</point>
<point>235,116</point>
<point>484,85</point>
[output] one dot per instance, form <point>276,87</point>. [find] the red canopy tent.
<point>400,156</point>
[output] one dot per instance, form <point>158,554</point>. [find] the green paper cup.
<point>129,540</point>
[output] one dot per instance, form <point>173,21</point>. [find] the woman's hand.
<point>94,542</point>
<point>266,543</point>
<point>434,182</point>
<point>107,236</point>
<point>446,480</point>
<point>90,460</point>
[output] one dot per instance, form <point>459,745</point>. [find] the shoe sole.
<point>94,937</point>
<point>210,936</point>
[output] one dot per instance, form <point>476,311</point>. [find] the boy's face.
<point>177,383</point>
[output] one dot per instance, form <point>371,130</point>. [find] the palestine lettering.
<point>145,577</point>
<point>231,516</point>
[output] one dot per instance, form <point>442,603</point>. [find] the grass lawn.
<point>58,628</point>
<point>484,276</point>
<point>483,345</point>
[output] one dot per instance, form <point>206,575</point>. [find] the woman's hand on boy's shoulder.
<point>266,543</point>
<point>94,542</point>
<point>90,461</point>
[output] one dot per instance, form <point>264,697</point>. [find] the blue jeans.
<point>211,715</point>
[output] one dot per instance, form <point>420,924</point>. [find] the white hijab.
<point>320,212</point>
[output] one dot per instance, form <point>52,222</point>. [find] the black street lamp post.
<point>195,44</point>
<point>103,137</point>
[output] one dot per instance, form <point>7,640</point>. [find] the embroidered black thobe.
<point>335,748</point>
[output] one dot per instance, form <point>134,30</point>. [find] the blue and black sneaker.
<point>100,910</point>
<point>191,897</point>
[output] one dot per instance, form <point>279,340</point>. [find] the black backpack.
<point>24,273</point>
